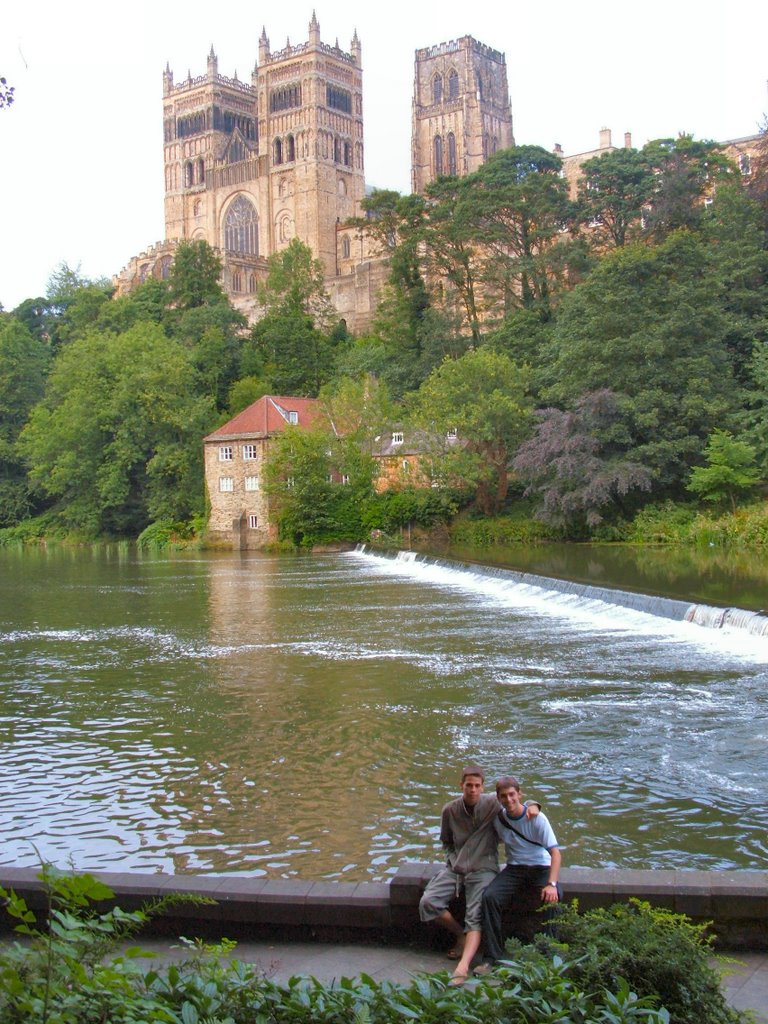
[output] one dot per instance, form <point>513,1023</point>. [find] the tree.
<point>115,441</point>
<point>729,469</point>
<point>316,484</point>
<point>614,190</point>
<point>358,409</point>
<point>519,204</point>
<point>648,324</point>
<point>24,360</point>
<point>295,286</point>
<point>732,227</point>
<point>195,276</point>
<point>213,334</point>
<point>576,463</point>
<point>757,412</point>
<point>481,398</point>
<point>295,338</point>
<point>446,237</point>
<point>686,170</point>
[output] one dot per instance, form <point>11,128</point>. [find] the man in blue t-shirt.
<point>532,869</point>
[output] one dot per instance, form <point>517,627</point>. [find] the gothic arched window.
<point>451,153</point>
<point>437,89</point>
<point>278,151</point>
<point>241,227</point>
<point>189,175</point>
<point>453,85</point>
<point>200,172</point>
<point>345,247</point>
<point>438,156</point>
<point>291,147</point>
<point>336,151</point>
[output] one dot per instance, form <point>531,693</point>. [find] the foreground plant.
<point>73,969</point>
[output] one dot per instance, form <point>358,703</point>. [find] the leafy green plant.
<point>59,973</point>
<point>659,954</point>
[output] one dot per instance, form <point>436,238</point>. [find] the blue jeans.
<point>518,886</point>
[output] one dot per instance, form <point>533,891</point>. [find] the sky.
<point>81,171</point>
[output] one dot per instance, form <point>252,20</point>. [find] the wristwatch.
<point>554,884</point>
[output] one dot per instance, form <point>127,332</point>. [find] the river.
<point>307,716</point>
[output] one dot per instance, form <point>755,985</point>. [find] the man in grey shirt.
<point>468,835</point>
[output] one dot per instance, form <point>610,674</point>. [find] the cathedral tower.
<point>249,166</point>
<point>461,109</point>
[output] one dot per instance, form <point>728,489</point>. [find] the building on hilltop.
<point>250,165</point>
<point>461,109</point>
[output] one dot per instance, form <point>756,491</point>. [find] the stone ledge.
<point>735,901</point>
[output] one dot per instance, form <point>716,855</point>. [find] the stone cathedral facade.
<point>250,165</point>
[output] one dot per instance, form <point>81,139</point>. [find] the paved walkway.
<point>745,986</point>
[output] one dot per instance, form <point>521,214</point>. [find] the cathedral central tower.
<point>461,109</point>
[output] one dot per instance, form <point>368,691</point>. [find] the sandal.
<point>455,952</point>
<point>458,979</point>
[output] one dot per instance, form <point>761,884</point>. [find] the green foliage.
<point>729,469</point>
<point>424,507</point>
<point>520,208</point>
<point>665,523</point>
<point>620,966</point>
<point>245,392</point>
<point>685,171</point>
<point>115,441</point>
<point>295,287</point>
<point>482,397</point>
<point>614,190</point>
<point>658,954</point>
<point>195,276</point>
<point>316,485</point>
<point>649,326</point>
<point>487,532</point>
<point>66,970</point>
<point>165,533</point>
<point>24,361</point>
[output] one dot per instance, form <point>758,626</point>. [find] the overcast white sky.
<point>81,175</point>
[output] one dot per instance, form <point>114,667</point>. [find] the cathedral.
<point>251,165</point>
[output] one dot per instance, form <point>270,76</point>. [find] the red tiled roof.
<point>269,415</point>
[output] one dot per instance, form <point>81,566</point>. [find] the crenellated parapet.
<point>454,45</point>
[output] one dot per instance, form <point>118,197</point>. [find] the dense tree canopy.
<point>115,441</point>
<point>649,326</point>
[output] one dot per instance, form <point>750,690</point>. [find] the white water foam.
<point>579,609</point>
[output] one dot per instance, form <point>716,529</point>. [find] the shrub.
<point>659,954</point>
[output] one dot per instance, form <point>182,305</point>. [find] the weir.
<point>754,623</point>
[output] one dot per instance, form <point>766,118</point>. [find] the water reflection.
<point>307,716</point>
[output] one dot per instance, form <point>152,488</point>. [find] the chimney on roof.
<point>605,138</point>
<point>627,140</point>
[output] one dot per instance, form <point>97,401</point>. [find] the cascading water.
<point>753,623</point>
